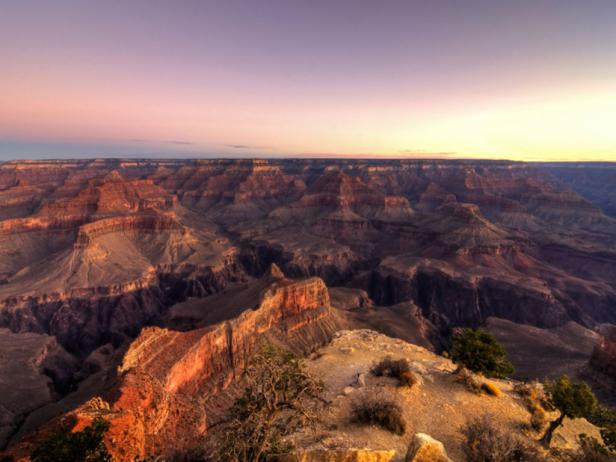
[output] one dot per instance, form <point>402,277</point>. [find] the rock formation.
<point>169,380</point>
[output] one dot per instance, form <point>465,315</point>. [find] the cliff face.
<point>169,380</point>
<point>35,369</point>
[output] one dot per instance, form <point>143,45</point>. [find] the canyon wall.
<point>97,253</point>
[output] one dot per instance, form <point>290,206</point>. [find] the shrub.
<point>478,351</point>
<point>538,418</point>
<point>83,446</point>
<point>486,443</point>
<point>468,379</point>
<point>533,394</point>
<point>279,398</point>
<point>535,398</point>
<point>606,419</point>
<point>572,399</point>
<point>389,367</point>
<point>376,409</point>
<point>408,379</point>
<point>590,450</point>
<point>491,389</point>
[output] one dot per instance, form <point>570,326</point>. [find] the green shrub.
<point>478,351</point>
<point>83,446</point>
<point>605,418</point>
<point>571,399</point>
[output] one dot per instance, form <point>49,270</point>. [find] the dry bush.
<point>468,379</point>
<point>590,450</point>
<point>408,379</point>
<point>371,408</point>
<point>279,398</point>
<point>535,399</point>
<point>484,442</point>
<point>491,389</point>
<point>396,368</point>
<point>538,418</point>
<point>532,393</point>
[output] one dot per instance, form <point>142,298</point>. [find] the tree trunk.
<point>547,438</point>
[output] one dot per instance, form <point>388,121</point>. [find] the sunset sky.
<point>524,79</point>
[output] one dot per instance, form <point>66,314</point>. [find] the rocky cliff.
<point>164,394</point>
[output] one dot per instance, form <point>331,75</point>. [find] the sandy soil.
<point>438,406</point>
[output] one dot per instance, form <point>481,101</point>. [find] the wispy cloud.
<point>187,143</point>
<point>245,146</point>
<point>176,142</point>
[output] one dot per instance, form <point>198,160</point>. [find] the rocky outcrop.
<point>35,370</point>
<point>141,223</point>
<point>170,379</point>
<point>83,319</point>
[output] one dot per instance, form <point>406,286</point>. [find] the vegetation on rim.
<point>479,351</point>
<point>279,397</point>
<point>571,399</point>
<point>83,446</point>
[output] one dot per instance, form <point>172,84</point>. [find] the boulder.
<point>424,448</point>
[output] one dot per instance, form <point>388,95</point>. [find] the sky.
<point>521,80</point>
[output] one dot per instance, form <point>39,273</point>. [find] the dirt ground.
<point>438,406</point>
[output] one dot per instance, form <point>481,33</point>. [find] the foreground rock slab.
<point>341,455</point>
<point>424,448</point>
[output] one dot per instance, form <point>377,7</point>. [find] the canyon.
<point>150,282</point>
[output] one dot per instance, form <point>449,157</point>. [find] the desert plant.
<point>478,351</point>
<point>468,379</point>
<point>571,399</point>
<point>83,446</point>
<point>590,450</point>
<point>533,394</point>
<point>280,396</point>
<point>484,442</point>
<point>377,409</point>
<point>538,418</point>
<point>389,367</point>
<point>491,389</point>
<point>605,418</point>
<point>534,397</point>
<point>408,379</point>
